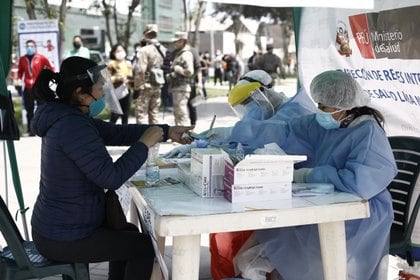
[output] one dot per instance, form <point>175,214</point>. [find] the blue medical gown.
<point>358,160</point>
<point>299,105</point>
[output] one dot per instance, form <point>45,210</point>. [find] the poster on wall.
<point>45,35</point>
<point>380,49</point>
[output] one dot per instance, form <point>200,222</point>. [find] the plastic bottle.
<point>240,154</point>
<point>152,168</point>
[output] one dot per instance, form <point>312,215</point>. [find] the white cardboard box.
<point>259,177</point>
<point>258,192</point>
<point>207,172</point>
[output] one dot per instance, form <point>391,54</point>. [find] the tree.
<point>50,13</point>
<point>200,12</point>
<point>30,8</point>
<point>277,15</point>
<point>122,30</point>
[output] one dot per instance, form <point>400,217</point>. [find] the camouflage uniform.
<point>148,102</point>
<point>181,91</point>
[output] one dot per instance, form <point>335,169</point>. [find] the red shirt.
<point>32,68</point>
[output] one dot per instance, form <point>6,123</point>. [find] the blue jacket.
<point>76,168</point>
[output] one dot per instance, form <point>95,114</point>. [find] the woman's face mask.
<point>97,106</point>
<point>120,55</point>
<point>326,119</point>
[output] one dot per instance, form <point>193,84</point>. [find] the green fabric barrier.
<point>5,51</point>
<point>297,12</point>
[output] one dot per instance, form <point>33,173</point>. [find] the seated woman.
<point>69,221</point>
<point>346,145</point>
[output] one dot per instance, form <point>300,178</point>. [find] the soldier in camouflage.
<point>149,56</point>
<point>179,78</point>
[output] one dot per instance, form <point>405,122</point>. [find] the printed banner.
<point>380,48</point>
<point>45,35</point>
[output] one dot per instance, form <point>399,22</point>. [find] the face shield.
<point>249,101</point>
<point>99,75</point>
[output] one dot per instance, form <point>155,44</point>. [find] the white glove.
<point>300,175</point>
<point>216,134</point>
<point>178,69</point>
<point>179,152</point>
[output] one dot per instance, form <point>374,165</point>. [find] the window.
<point>165,23</point>
<point>165,3</point>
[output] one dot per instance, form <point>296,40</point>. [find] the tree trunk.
<point>62,24</point>
<point>127,32</point>
<point>200,11</point>
<point>107,13</point>
<point>115,14</point>
<point>30,9</point>
<point>48,11</point>
<point>185,15</point>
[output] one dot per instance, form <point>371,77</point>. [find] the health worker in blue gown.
<point>252,98</point>
<point>346,145</point>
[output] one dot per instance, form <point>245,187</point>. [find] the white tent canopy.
<point>354,4</point>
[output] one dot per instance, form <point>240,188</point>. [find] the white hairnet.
<point>255,76</point>
<point>338,90</point>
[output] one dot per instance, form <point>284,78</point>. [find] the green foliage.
<point>255,12</point>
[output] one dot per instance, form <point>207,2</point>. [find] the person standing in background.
<point>29,67</point>
<point>78,48</point>
<point>271,64</point>
<point>146,88</point>
<point>205,64</point>
<point>218,71</point>
<point>181,71</point>
<point>121,76</point>
<point>196,86</point>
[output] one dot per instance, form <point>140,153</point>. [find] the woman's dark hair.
<point>70,77</point>
<point>365,110</point>
<point>113,49</point>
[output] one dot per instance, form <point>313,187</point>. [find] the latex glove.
<point>216,134</point>
<point>300,175</point>
<point>179,152</point>
<point>178,69</point>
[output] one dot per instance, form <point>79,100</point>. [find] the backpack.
<point>156,77</point>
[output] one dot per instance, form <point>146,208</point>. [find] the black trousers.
<point>129,252</point>
<point>125,106</point>
<point>29,102</point>
<point>192,111</point>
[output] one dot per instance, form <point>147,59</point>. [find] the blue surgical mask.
<point>326,120</point>
<point>97,106</point>
<point>30,50</point>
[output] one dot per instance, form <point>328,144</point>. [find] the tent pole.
<point>17,184</point>
<point>6,183</point>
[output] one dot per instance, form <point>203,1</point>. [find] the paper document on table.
<point>311,189</point>
<point>148,220</point>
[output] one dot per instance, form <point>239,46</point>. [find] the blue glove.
<point>300,175</point>
<point>215,135</point>
<point>179,152</point>
<point>185,150</point>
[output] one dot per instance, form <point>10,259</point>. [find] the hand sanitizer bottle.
<point>152,168</point>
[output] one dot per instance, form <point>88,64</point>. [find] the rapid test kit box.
<point>206,173</point>
<point>259,177</point>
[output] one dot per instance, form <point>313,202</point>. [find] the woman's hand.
<point>151,136</point>
<point>181,134</point>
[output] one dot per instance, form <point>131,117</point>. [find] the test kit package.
<point>259,177</point>
<point>207,172</point>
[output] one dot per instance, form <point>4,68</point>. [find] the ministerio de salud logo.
<point>342,39</point>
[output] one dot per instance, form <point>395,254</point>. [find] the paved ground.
<point>28,158</point>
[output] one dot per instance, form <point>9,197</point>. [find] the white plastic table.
<point>178,212</point>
